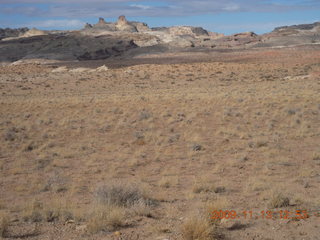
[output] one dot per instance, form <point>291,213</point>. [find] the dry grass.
<point>278,200</point>
<point>216,205</point>
<point>197,227</point>
<point>316,156</point>
<point>56,209</point>
<point>203,185</point>
<point>106,218</point>
<point>168,181</point>
<point>4,224</point>
<point>61,142</point>
<point>257,184</point>
<point>141,208</point>
<point>121,194</point>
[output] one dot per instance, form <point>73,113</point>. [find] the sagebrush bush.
<point>121,194</point>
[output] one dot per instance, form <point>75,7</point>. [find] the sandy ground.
<point>235,131</point>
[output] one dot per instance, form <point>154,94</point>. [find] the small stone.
<point>70,221</point>
<point>117,234</point>
<point>196,147</point>
<point>219,189</point>
<point>244,159</point>
<point>103,68</point>
<point>231,224</point>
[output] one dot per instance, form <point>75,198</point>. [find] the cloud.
<point>136,8</point>
<point>57,24</point>
<point>140,6</point>
<point>18,12</point>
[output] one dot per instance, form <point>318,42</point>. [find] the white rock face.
<point>123,25</point>
<point>34,61</point>
<point>171,39</point>
<point>60,70</point>
<point>80,70</point>
<point>103,68</point>
<point>34,32</point>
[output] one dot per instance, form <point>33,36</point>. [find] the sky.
<point>223,16</point>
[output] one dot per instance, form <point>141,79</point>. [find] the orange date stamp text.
<point>265,214</point>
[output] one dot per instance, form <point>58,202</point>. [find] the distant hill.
<point>125,38</point>
<point>8,32</point>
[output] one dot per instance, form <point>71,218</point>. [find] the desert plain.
<point>149,148</point>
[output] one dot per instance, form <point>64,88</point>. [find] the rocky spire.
<point>101,21</point>
<point>88,25</point>
<point>122,20</point>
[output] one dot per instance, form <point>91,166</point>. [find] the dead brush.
<point>4,224</point>
<point>52,211</point>
<point>106,218</point>
<point>278,200</point>
<point>198,227</point>
<point>114,202</point>
<point>122,194</point>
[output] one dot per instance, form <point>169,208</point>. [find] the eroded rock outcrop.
<point>8,32</point>
<point>128,39</point>
<point>123,25</point>
<point>34,32</point>
<point>292,35</point>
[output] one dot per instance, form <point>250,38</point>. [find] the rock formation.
<point>186,30</point>
<point>34,32</point>
<point>123,25</point>
<point>292,35</point>
<point>127,39</point>
<point>8,32</point>
<point>87,26</point>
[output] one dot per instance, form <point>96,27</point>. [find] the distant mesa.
<point>298,27</point>
<point>124,38</point>
<point>122,25</point>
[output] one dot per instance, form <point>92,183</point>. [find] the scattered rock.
<point>219,189</point>
<point>70,221</point>
<point>232,224</point>
<point>244,159</point>
<point>197,147</point>
<point>60,69</point>
<point>103,68</point>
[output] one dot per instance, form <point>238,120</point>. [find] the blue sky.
<point>226,16</point>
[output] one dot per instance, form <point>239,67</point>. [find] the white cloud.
<point>112,8</point>
<point>144,7</point>
<point>57,24</point>
<point>232,7</point>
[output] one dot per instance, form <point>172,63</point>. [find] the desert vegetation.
<point>150,151</point>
